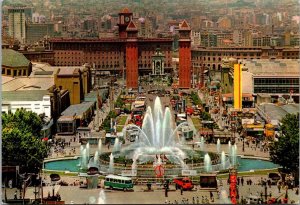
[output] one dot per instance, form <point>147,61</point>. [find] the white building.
<point>30,93</point>
<point>33,101</point>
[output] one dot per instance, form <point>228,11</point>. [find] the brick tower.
<point>184,55</point>
<point>125,16</point>
<point>132,56</point>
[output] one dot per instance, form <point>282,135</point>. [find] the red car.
<point>184,183</point>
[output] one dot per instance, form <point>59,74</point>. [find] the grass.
<point>119,128</point>
<point>256,172</point>
<point>122,120</point>
<point>196,122</point>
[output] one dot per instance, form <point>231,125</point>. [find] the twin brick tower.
<point>129,31</point>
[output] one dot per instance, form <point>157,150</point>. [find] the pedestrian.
<point>198,200</point>
<point>278,186</point>
<point>269,183</point>
<point>211,195</point>
<point>166,192</point>
<point>250,182</point>
<point>238,180</point>
<point>15,195</point>
<point>181,190</point>
<point>242,181</point>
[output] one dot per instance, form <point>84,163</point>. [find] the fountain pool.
<point>245,164</point>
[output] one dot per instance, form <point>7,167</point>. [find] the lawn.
<point>121,122</point>
<point>122,119</point>
<point>196,122</point>
<point>256,172</point>
<point>119,128</point>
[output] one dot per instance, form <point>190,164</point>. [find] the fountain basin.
<point>245,164</point>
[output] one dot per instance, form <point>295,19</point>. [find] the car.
<point>184,183</point>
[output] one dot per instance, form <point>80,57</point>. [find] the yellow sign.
<point>237,82</point>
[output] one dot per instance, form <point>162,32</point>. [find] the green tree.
<point>23,120</point>
<point>21,141</point>
<point>285,151</point>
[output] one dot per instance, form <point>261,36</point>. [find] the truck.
<point>184,183</point>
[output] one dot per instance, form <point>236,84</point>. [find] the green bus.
<point>118,182</point>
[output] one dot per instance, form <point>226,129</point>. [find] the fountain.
<point>234,155</point>
<point>223,160</point>
<point>87,147</point>
<point>116,147</point>
<point>157,137</point>
<point>218,146</point>
<point>133,168</point>
<point>100,146</point>
<point>84,159</point>
<point>136,139</point>
<point>111,164</point>
<point>96,159</point>
<point>207,163</point>
<point>102,197</point>
<point>202,144</point>
<point>229,149</point>
<point>157,143</point>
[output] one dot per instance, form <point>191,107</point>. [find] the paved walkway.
<point>79,196</point>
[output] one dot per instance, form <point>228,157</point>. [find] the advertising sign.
<point>189,172</point>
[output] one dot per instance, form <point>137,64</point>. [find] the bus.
<point>118,182</point>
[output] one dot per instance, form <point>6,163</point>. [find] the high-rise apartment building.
<point>16,23</point>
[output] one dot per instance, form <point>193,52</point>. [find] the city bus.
<point>118,182</point>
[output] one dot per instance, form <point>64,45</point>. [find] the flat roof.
<point>78,109</point>
<point>24,95</point>
<point>276,112</point>
<point>272,67</point>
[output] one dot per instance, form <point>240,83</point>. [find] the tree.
<point>23,120</point>
<point>21,141</point>
<point>285,151</point>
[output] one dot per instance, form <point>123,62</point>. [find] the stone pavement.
<point>139,196</point>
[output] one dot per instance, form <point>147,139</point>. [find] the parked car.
<point>184,183</point>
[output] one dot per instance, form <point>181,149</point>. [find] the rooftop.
<point>269,67</point>
<point>11,58</point>
<point>276,112</point>
<point>28,83</point>
<point>78,109</point>
<point>24,95</point>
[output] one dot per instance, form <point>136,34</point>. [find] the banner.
<point>129,173</point>
<point>188,172</point>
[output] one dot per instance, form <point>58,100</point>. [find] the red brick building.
<point>128,51</point>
